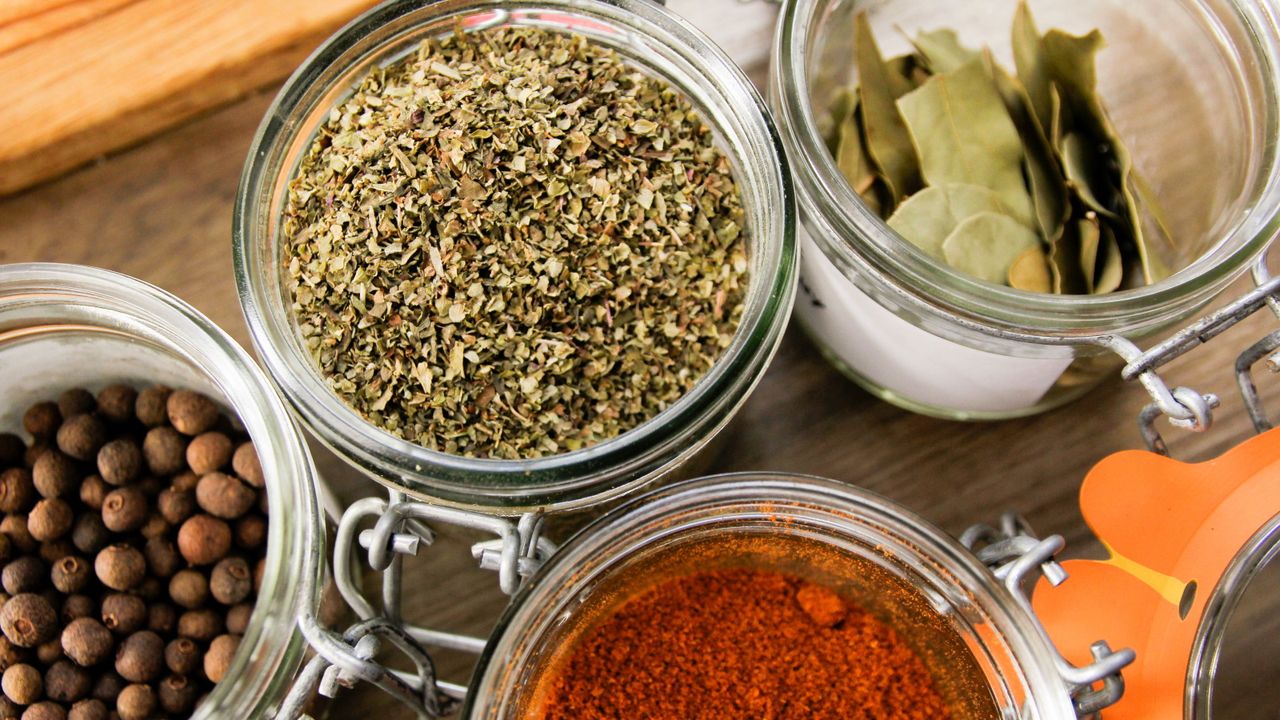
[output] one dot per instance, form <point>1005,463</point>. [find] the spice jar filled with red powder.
<point>768,596</point>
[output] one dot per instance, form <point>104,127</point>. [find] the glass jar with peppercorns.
<point>144,573</point>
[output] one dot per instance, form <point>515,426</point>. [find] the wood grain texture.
<point>162,212</point>
<point>104,74</point>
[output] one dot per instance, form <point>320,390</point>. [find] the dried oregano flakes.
<point>512,244</point>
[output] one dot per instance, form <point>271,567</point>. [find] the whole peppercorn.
<point>183,656</point>
<point>82,436</point>
<point>136,702</point>
<point>150,407</point>
<point>11,449</point>
<point>177,695</point>
<point>191,413</point>
<point>116,403</point>
<point>89,709</point>
<point>164,450</point>
<point>45,710</point>
<point>208,452</point>
<point>28,620</point>
<point>224,496</point>
<point>124,510</point>
<point>120,461</point>
<point>15,527</point>
<point>89,534</point>
<point>162,618</point>
<point>42,419</point>
<point>120,567</point>
<point>76,401</point>
<point>17,491</point>
<point>201,625</point>
<point>27,574</point>
<point>50,519</point>
<point>87,641</point>
<point>154,527</point>
<point>93,490</point>
<point>55,475</point>
<point>70,574</point>
<point>189,588</point>
<point>123,614</point>
<point>49,652</point>
<point>231,581</point>
<point>218,658</point>
<point>79,606</point>
<point>175,506</point>
<point>22,684</point>
<point>140,657</point>
<point>245,464</point>
<point>238,618</point>
<point>204,539</point>
<point>163,559</point>
<point>251,532</point>
<point>54,550</point>
<point>65,682</point>
<point>108,687</point>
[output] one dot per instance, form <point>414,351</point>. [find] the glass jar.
<point>656,41</point>
<point>1192,87</point>
<point>930,589</point>
<point>65,326</point>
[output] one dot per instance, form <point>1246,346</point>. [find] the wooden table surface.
<point>162,212</point>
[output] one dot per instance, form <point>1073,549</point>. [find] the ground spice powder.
<point>742,643</point>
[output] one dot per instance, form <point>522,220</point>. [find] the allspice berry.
<point>125,510</point>
<point>17,491</point>
<point>185,482</point>
<point>76,401</point>
<point>201,625</point>
<point>154,527</point>
<point>204,539</point>
<point>28,620</point>
<point>177,695</point>
<point>231,581</point>
<point>116,403</point>
<point>163,559</point>
<point>82,436</point>
<point>50,519</point>
<point>136,702</point>
<point>140,657</point>
<point>78,606</point>
<point>49,652</point>
<point>15,527</point>
<point>22,684</point>
<point>70,574</point>
<point>183,656</point>
<point>55,475</point>
<point>208,452</point>
<point>120,567</point>
<point>45,710</point>
<point>27,574</point>
<point>238,618</point>
<point>54,550</point>
<point>189,588</point>
<point>218,658</point>
<point>151,407</point>
<point>89,534</point>
<point>66,682</point>
<point>251,532</point>
<point>108,687</point>
<point>175,505</point>
<point>87,642</point>
<point>89,709</point>
<point>164,450</point>
<point>246,465</point>
<point>120,461</point>
<point>162,618</point>
<point>6,548</point>
<point>11,654</point>
<point>42,419</point>
<point>93,491</point>
<point>191,413</point>
<point>224,496</point>
<point>123,614</point>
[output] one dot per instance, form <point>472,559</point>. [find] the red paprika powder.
<point>741,643</point>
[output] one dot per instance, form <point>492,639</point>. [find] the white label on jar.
<point>911,362</point>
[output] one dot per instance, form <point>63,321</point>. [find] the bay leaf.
<point>965,135</point>
<point>842,106</point>
<point>942,50</point>
<point>1080,158</point>
<point>1032,68</point>
<point>851,156</point>
<point>902,75</point>
<point>1089,232</point>
<point>927,218</point>
<point>1030,272</point>
<point>1111,272</point>
<point>1151,204</point>
<point>986,245</point>
<point>888,141</point>
<point>1064,262</point>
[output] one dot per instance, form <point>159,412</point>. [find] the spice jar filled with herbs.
<point>145,573</point>
<point>516,255</point>
<point>989,189</point>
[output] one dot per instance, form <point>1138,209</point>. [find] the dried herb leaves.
<point>1019,179</point>
<point>512,244</point>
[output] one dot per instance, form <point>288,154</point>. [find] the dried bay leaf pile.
<point>1017,179</point>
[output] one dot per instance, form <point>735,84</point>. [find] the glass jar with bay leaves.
<point>1185,98</point>
<point>499,58</point>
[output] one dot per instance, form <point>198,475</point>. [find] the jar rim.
<point>865,249</point>
<point>563,480</point>
<point>846,512</point>
<point>93,299</point>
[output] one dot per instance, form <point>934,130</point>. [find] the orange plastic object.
<point>1172,530</point>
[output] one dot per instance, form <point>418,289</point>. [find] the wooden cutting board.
<point>81,78</point>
